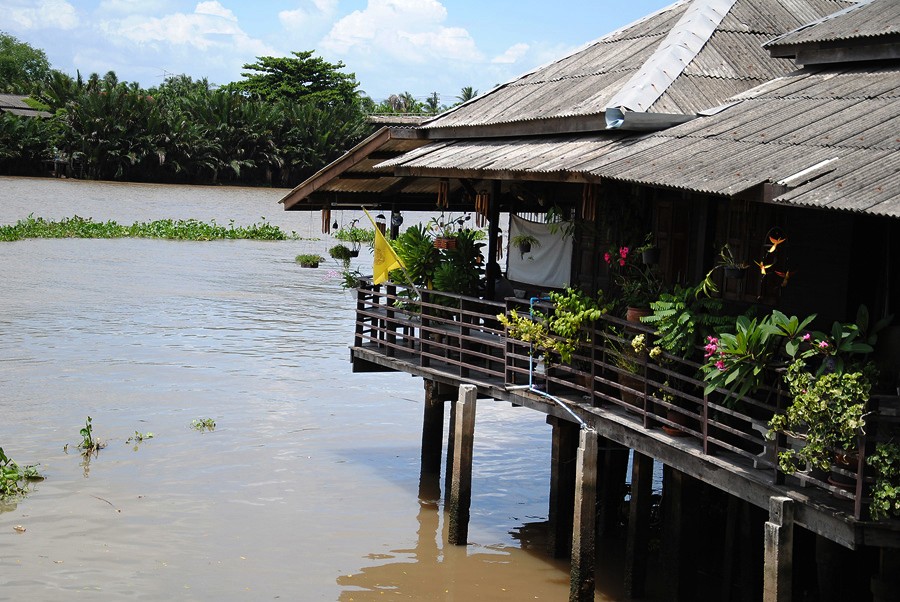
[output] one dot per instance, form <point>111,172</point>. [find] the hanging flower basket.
<point>445,242</point>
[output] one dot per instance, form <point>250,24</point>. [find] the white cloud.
<point>512,54</point>
<point>406,31</point>
<point>45,14</point>
<point>315,15</point>
<point>130,7</point>
<point>215,9</point>
<point>210,27</point>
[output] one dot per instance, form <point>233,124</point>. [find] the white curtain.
<point>548,264</point>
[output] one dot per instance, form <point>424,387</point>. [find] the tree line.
<point>287,118</point>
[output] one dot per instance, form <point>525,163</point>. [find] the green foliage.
<point>886,492</point>
<point>14,478</point>
<point>78,227</point>
<point>415,247</point>
<point>355,234</point>
<point>340,253</point>
<point>89,444</point>
<point>459,269</point>
<point>139,437</point>
<point>22,67</point>
<point>827,413</point>
<point>182,131</point>
<point>303,77</point>
<point>741,358</point>
<point>684,318</point>
<point>203,424</point>
<point>309,259</point>
<point>561,331</point>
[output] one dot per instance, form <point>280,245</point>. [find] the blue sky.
<point>393,46</point>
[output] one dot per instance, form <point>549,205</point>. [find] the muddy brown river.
<point>307,489</point>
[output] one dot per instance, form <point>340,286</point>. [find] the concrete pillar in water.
<point>638,539</point>
<point>584,559</point>
<point>673,553</point>
<point>779,545</point>
<point>563,458</point>
<point>461,482</point>
<point>613,464</point>
<point>886,585</point>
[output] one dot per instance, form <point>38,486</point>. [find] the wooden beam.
<point>779,546</point>
<point>461,483</point>
<point>638,538</point>
<point>584,560</point>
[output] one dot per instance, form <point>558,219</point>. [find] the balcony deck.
<point>660,412</point>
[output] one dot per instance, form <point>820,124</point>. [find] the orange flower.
<point>763,267</point>
<point>785,277</point>
<point>775,242</point>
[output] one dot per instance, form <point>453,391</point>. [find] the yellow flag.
<point>385,258</point>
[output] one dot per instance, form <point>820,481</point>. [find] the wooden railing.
<point>462,336</point>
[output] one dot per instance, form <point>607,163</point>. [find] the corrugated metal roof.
<point>866,19</point>
<point>779,130</point>
<point>785,128</point>
<point>584,83</point>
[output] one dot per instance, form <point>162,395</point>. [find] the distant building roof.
<point>15,104</point>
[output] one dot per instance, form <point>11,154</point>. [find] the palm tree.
<point>467,93</point>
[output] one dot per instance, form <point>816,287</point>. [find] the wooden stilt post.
<point>638,537</point>
<point>432,443</point>
<point>448,468</point>
<point>581,588</point>
<point>563,457</point>
<point>611,486</point>
<point>672,537</point>
<point>461,481</point>
<point>779,544</point>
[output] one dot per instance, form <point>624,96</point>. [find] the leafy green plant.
<point>203,424</point>
<point>89,444</point>
<point>827,412</point>
<point>737,361</point>
<point>886,492</point>
<point>139,437</point>
<point>525,242</point>
<point>340,253</point>
<point>355,235</point>
<point>14,478</point>
<point>309,260</point>
<point>684,318</point>
<point>561,331</point>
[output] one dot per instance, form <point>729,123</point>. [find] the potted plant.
<point>356,236</point>
<point>827,413</point>
<point>525,242</point>
<point>734,269</point>
<point>445,230</point>
<point>637,284</point>
<point>341,253</point>
<point>649,251</point>
<point>886,492</point>
<point>309,260</point>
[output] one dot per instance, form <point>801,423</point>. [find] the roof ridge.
<point>672,56</point>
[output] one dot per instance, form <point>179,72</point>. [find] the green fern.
<point>683,318</point>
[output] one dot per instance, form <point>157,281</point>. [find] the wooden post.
<point>451,447</point>
<point>611,489</point>
<point>779,544</point>
<point>432,443</point>
<point>563,457</point>
<point>581,584</point>
<point>461,483</point>
<point>672,551</point>
<point>638,536</point>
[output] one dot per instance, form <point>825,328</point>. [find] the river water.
<point>307,489</point>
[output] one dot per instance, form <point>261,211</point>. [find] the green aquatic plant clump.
<point>203,424</point>
<point>14,478</point>
<point>190,229</point>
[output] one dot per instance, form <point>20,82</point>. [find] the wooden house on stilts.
<point>760,135</point>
